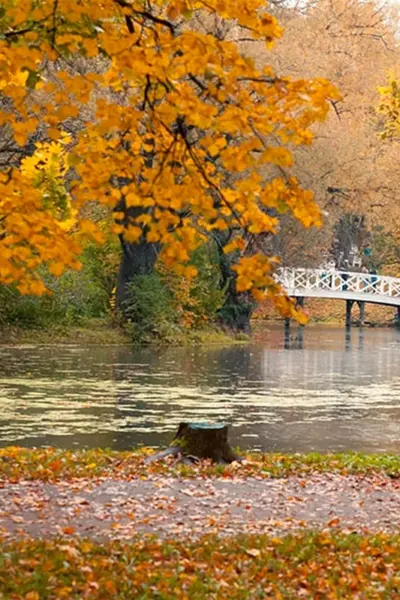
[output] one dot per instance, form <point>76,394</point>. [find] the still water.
<point>330,392</point>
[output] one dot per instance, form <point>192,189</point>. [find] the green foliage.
<point>76,295</point>
<point>102,263</point>
<point>148,308</point>
<point>164,305</point>
<point>158,306</point>
<point>206,289</point>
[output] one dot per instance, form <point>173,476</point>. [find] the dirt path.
<point>119,509</point>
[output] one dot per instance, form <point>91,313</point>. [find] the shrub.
<point>196,302</point>
<point>76,295</point>
<point>164,304</point>
<point>149,308</point>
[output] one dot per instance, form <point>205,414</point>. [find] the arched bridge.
<point>344,285</point>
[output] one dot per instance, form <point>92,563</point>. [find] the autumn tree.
<point>177,128</point>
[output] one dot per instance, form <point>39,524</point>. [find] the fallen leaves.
<point>68,530</point>
<point>106,508</point>
<point>51,464</point>
<point>307,565</point>
<point>254,552</point>
<point>99,511</point>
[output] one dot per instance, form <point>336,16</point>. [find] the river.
<point>328,392</point>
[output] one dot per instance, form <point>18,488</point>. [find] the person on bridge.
<point>345,276</point>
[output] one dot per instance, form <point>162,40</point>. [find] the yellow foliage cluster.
<point>389,108</point>
<point>183,118</point>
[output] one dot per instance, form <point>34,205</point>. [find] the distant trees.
<point>351,168</point>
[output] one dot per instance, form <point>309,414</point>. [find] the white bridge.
<point>344,285</point>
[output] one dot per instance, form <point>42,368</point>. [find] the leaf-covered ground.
<point>51,464</point>
<point>318,566</point>
<point>101,524</point>
<point>107,508</point>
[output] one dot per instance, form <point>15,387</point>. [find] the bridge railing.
<point>298,279</point>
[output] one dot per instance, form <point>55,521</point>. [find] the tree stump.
<point>200,440</point>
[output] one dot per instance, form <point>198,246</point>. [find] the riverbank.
<point>95,331</point>
<point>98,332</point>
<point>99,524</point>
<point>102,332</point>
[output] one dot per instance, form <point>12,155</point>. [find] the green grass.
<point>209,336</point>
<point>319,566</point>
<point>101,331</point>
<point>53,464</point>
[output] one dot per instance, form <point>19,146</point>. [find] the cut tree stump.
<point>195,441</point>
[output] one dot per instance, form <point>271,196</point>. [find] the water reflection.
<point>316,388</point>
<point>293,341</point>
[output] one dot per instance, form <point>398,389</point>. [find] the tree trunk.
<point>136,259</point>
<point>199,441</point>
<point>238,307</point>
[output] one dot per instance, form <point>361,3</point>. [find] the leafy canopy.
<point>170,119</point>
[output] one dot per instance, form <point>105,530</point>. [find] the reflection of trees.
<point>219,367</point>
<point>49,394</point>
<point>319,367</point>
<point>56,362</point>
<point>293,340</point>
<point>159,387</point>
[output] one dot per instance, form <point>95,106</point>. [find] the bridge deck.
<point>342,285</point>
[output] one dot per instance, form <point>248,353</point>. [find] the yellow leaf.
<point>236,244</point>
<point>67,111</point>
<point>278,156</point>
<point>213,150</point>
<point>132,199</point>
<point>132,233</point>
<point>86,547</point>
<point>57,269</point>
<point>53,133</point>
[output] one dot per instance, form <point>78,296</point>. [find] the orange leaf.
<point>69,530</point>
<point>110,587</point>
